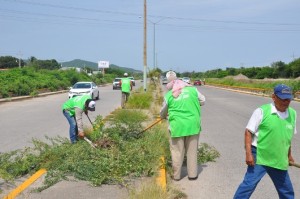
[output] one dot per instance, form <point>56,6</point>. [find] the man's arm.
<point>248,141</point>
<point>201,98</point>
<point>291,159</point>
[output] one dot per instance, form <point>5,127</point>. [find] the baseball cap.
<point>283,91</point>
<point>171,75</point>
<point>92,106</point>
<point>125,74</point>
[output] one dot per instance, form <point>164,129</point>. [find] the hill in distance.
<point>78,63</point>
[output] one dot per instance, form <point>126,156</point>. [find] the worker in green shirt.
<point>182,108</point>
<point>73,110</point>
<point>268,138</point>
<point>126,87</point>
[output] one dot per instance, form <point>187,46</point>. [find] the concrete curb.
<point>14,193</point>
<point>10,99</point>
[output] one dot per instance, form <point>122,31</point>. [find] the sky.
<point>182,35</point>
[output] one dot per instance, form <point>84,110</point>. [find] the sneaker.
<point>194,178</point>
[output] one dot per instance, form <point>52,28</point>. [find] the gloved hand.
<point>81,135</point>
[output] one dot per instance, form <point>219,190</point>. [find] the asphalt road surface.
<point>21,121</point>
<point>224,117</point>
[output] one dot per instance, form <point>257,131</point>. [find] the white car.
<point>116,83</point>
<point>132,80</point>
<point>84,88</point>
<point>186,79</point>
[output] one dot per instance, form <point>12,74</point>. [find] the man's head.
<point>125,75</point>
<point>90,105</point>
<point>282,97</point>
<point>283,92</point>
<point>171,75</point>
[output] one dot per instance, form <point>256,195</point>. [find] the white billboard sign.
<point>103,64</point>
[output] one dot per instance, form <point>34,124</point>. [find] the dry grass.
<point>150,190</point>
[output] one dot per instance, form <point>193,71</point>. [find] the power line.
<point>116,22</point>
<point>138,14</point>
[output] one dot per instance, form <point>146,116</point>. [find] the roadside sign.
<point>103,64</point>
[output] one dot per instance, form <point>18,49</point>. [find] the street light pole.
<point>154,65</point>
<point>145,46</point>
<point>154,42</point>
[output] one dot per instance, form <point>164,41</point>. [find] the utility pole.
<point>145,46</point>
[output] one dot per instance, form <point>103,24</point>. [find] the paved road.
<point>224,118</point>
<point>39,117</point>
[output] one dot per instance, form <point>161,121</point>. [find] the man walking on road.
<point>126,87</point>
<point>182,107</point>
<point>268,137</point>
<point>73,110</point>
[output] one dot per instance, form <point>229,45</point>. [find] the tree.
<point>10,62</point>
<point>279,69</point>
<point>295,67</point>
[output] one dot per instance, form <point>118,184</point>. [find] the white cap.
<point>171,75</point>
<point>125,74</point>
<point>92,106</point>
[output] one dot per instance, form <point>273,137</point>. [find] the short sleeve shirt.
<point>256,119</point>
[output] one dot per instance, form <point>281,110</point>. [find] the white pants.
<point>179,146</point>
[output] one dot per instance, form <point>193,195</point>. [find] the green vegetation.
<point>268,85</point>
<point>207,153</point>
<point>276,70</point>
<point>122,153</point>
<point>140,100</point>
<point>119,154</point>
<point>29,81</point>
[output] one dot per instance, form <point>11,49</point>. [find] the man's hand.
<point>81,135</point>
<point>250,159</point>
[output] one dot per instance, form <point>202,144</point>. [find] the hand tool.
<point>151,125</point>
<point>85,138</point>
<point>294,164</point>
<point>90,142</point>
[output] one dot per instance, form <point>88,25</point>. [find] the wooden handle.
<point>295,164</point>
<point>90,142</point>
<point>157,121</point>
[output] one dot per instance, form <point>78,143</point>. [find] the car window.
<point>82,85</point>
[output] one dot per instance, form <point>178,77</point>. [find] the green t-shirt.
<point>78,101</point>
<point>125,87</point>
<point>274,138</point>
<point>184,112</point>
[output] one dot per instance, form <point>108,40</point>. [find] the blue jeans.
<point>73,131</point>
<point>254,174</point>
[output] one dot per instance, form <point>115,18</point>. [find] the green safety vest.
<point>78,101</point>
<point>184,112</point>
<point>125,87</point>
<point>274,138</point>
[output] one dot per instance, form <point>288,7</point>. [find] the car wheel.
<point>97,98</point>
